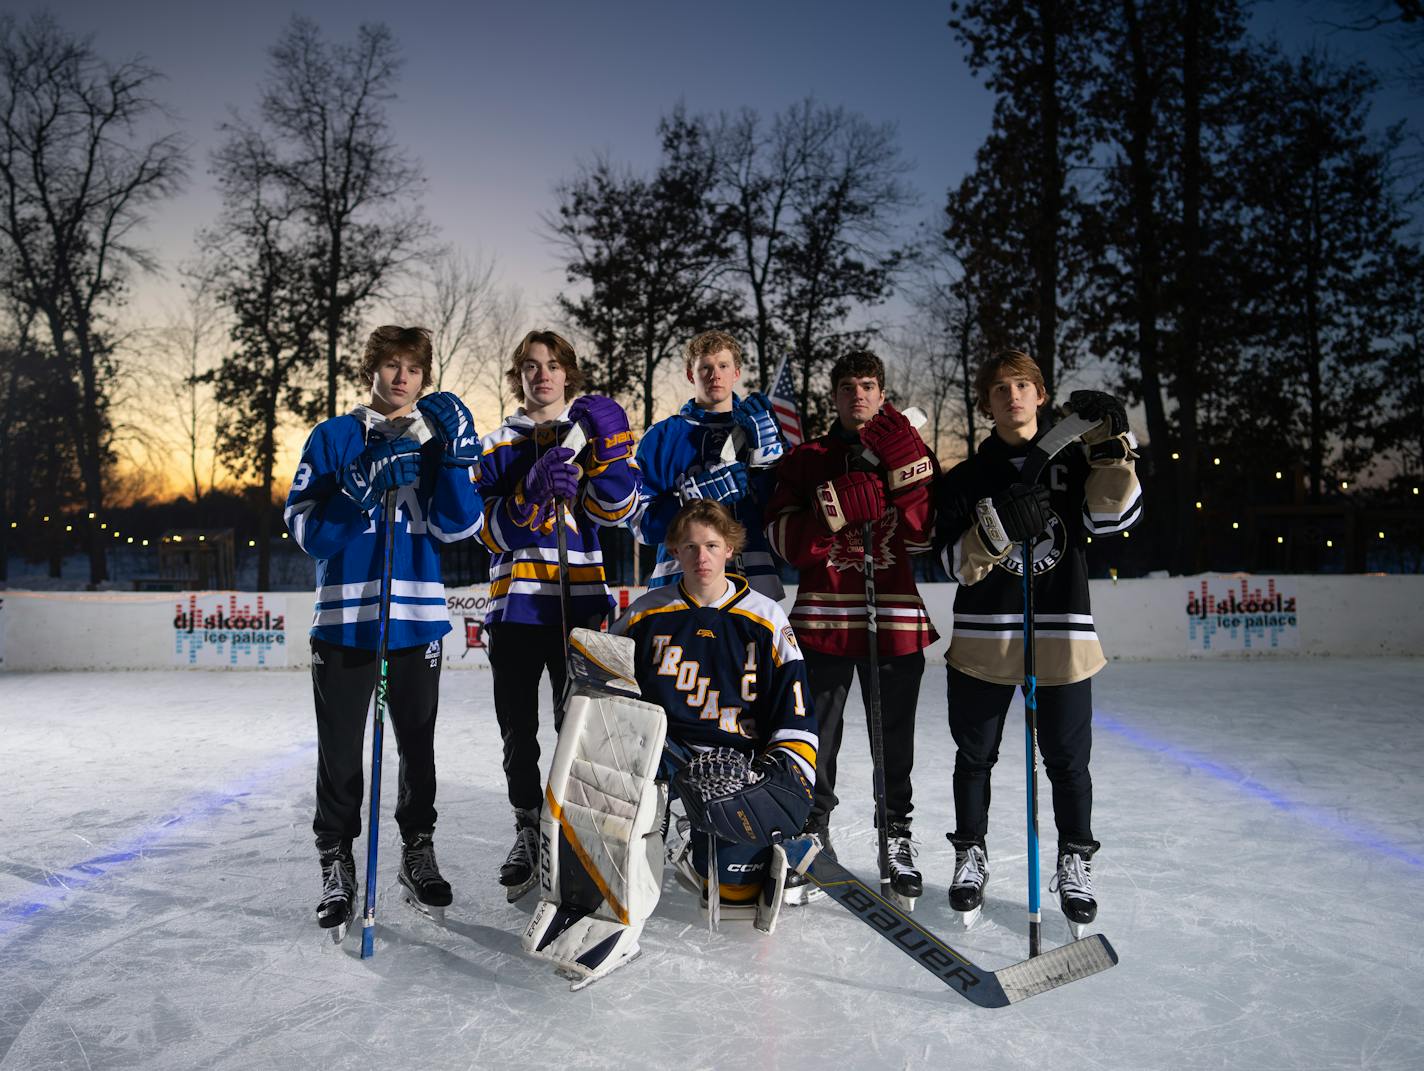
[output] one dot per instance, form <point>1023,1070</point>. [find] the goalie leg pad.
<point>772,890</point>
<point>583,947</point>
<point>601,859</point>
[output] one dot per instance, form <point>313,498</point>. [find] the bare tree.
<point>76,179</point>
<point>179,353</point>
<point>453,299</point>
<point>325,140</point>
<point>484,372</point>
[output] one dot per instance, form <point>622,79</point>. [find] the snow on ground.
<point>1262,865</point>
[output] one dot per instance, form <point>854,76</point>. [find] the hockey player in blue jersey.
<point>722,662</point>
<point>524,473</point>
<point>335,513</point>
<point>687,457</point>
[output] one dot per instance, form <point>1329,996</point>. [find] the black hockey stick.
<point>916,417</point>
<point>979,985</point>
<point>1068,430</point>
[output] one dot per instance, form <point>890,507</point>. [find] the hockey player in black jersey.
<point>723,663</point>
<point>984,514</point>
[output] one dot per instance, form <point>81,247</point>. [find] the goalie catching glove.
<point>747,801</point>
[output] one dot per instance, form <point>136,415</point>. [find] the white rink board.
<point>1136,619</point>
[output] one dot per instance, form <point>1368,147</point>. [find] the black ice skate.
<point>1074,885</point>
<point>906,882</point>
<point>521,866</point>
<point>799,888</point>
<point>337,905</point>
<point>425,889</point>
<point>971,872</point>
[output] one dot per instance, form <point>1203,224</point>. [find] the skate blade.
<point>338,932</point>
<point>969,918</point>
<point>904,903</point>
<point>805,894</point>
<point>435,913</point>
<point>1078,928</point>
<point>516,892</point>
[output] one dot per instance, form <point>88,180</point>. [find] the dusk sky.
<point>499,102</point>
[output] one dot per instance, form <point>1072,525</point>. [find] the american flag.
<point>783,404</point>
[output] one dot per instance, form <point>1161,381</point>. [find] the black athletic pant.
<point>343,679</point>
<point>519,654</point>
<point>830,677</point>
<point>977,710</point>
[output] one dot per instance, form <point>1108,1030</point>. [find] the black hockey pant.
<point>519,654</point>
<point>343,679</point>
<point>977,710</point>
<point>830,677</point>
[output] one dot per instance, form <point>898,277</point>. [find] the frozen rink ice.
<point>1261,875</point>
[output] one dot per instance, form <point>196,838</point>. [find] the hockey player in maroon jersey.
<point>826,494</point>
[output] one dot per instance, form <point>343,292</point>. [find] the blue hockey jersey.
<point>687,444</point>
<point>524,563</point>
<point>728,674</point>
<point>442,506</point>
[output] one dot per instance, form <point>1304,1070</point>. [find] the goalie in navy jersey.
<point>722,662</point>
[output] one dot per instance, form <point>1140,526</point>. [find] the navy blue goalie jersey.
<point>728,674</point>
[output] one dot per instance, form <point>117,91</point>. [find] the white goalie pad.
<point>600,836</point>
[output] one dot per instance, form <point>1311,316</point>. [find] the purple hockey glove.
<point>606,425</point>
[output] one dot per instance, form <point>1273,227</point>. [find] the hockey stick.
<point>979,985</point>
<point>916,417</point>
<point>368,919</point>
<point>1069,429</point>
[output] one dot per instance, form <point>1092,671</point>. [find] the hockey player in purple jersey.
<point>335,512</point>
<point>524,474</point>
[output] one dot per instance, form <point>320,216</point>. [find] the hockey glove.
<point>381,467</point>
<point>1096,405</point>
<point>724,482</point>
<point>745,802</point>
<point>753,415</point>
<point>549,478</point>
<point>606,424</point>
<point>453,425</point>
<point>854,498</point>
<point>1016,513</point>
<point>899,447</point>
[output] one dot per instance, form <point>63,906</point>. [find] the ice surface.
<point>1261,876</point>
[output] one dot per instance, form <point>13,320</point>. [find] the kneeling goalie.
<point>723,721</point>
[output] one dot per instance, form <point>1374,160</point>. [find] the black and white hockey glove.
<point>749,802</point>
<point>1016,513</point>
<point>1097,405</point>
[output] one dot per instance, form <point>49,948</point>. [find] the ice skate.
<point>423,887</point>
<point>800,889</point>
<point>906,882</point>
<point>971,873</point>
<point>1074,885</point>
<point>337,906</point>
<point>521,866</point>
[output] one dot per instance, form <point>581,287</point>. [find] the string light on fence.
<point>1381,535</point>
<point>91,516</point>
<point>1235,525</point>
<point>69,527</point>
<point>1344,485</point>
<point>1176,456</point>
<point>252,542</point>
<point>145,542</point>
<point>1330,542</point>
<point>1278,474</point>
<point>1280,539</point>
<point>130,539</point>
<point>1199,505</point>
<point>1216,461</point>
